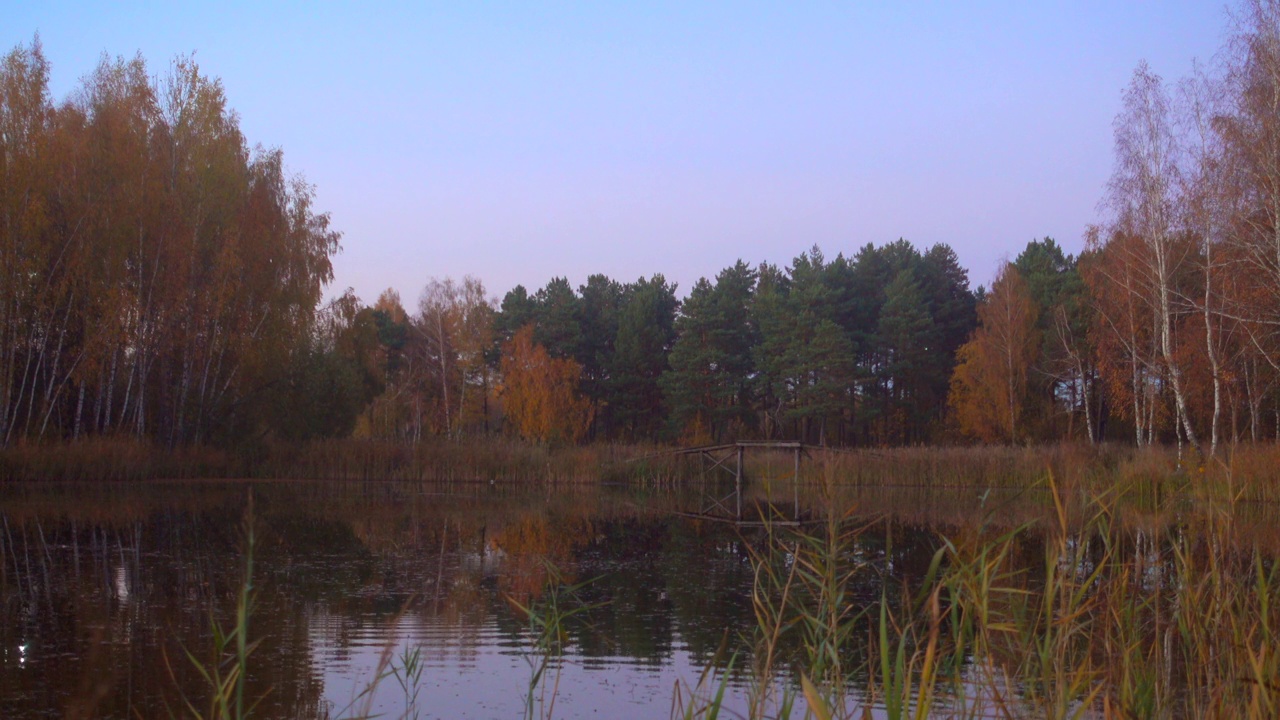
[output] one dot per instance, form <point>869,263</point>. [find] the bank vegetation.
<point>162,312</point>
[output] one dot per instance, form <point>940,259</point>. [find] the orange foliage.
<point>540,393</point>
<point>529,543</point>
<point>989,387</point>
<point>1125,336</point>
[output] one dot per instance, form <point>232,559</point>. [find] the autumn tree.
<point>331,377</point>
<point>394,412</point>
<point>540,393</point>
<point>1064,379</point>
<point>1124,332</point>
<point>25,250</point>
<point>1244,152</point>
<point>989,387</point>
<point>157,272</point>
<point>453,332</point>
<point>1144,195</point>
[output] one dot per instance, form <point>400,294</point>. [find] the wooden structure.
<point>729,458</point>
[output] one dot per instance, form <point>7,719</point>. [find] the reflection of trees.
<point>528,544</point>
<point>708,579</point>
<point>634,617</point>
<point>102,605</point>
<point>100,591</point>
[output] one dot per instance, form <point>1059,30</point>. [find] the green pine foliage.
<point>646,332</point>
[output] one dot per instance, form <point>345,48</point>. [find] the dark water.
<point>104,590</point>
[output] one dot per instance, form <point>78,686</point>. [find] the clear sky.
<point>521,141</point>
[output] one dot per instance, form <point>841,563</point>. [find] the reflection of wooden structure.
<point>729,458</point>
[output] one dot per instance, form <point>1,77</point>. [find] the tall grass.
<point>475,459</point>
<point>225,672</point>
<point>548,618</point>
<point>1107,619</point>
<point>1150,476</point>
<point>1110,622</point>
<point>438,459</point>
<point>805,596</point>
<point>111,458</point>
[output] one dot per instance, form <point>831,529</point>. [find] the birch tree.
<point>1144,196</point>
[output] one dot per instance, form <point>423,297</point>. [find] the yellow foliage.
<point>989,387</point>
<point>540,393</point>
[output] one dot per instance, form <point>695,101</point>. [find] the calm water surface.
<point>105,589</point>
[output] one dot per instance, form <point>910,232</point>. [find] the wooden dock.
<point>728,457</point>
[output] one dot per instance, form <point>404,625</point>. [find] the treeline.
<point>156,274</point>
<point>161,280</point>
<point>859,350</point>
<point>841,351</point>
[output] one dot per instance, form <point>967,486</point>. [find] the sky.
<point>517,142</point>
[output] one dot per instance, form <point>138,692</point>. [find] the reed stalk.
<point>225,673</point>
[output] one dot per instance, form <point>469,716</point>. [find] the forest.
<point>162,279</point>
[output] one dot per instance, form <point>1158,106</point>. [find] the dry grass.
<point>107,458</point>
<point>1150,477</point>
<point>472,459</point>
<point>1076,616</point>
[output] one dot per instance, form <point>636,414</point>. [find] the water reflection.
<point>104,589</point>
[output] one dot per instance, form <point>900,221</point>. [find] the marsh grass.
<point>1150,477</point>
<point>224,673</point>
<point>704,700</point>
<point>476,459</point>
<point>548,618</point>
<point>805,597</point>
<point>404,668</point>
<point>111,459</point>
<point>1110,622</point>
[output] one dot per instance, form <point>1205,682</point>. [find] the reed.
<point>1112,621</point>
<point>804,597</point>
<point>1168,626</point>
<point>704,700</point>
<point>774,582</point>
<point>225,672</point>
<point>548,618</point>
<point>480,459</point>
<point>111,459</point>
<point>405,668</point>
<point>1149,476</point>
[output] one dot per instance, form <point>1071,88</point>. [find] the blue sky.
<point>520,141</point>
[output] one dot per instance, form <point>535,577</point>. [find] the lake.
<point>109,593</point>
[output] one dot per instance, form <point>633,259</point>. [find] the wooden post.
<point>795,485</point>
<point>737,483</point>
